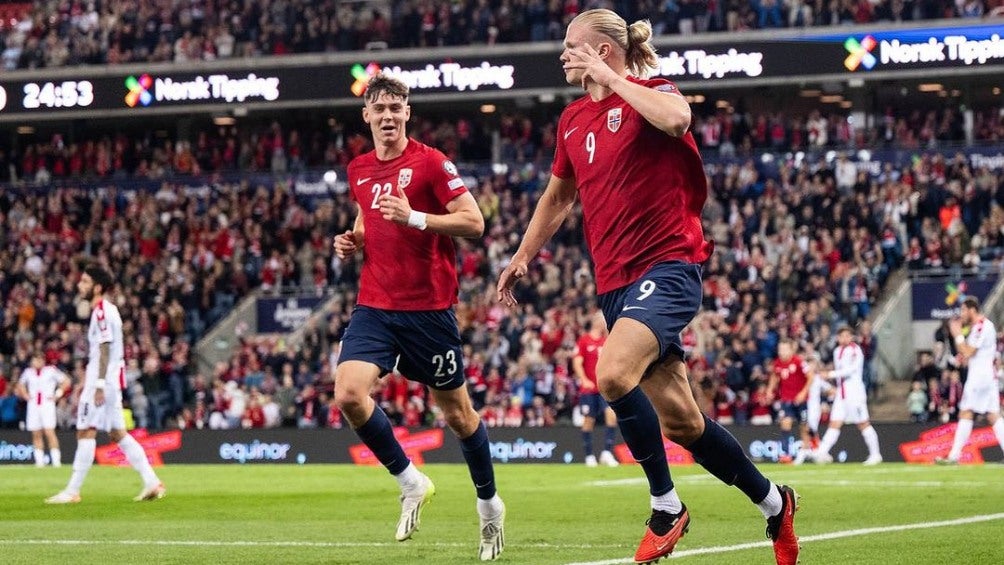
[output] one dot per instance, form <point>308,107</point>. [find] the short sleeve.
<point>561,166</point>
<point>445,178</point>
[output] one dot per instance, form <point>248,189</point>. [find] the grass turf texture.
<point>556,515</point>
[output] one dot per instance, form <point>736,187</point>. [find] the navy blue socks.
<point>378,435</point>
<point>719,452</point>
<point>477,453</point>
<point>642,433</point>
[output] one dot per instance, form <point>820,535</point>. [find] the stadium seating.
<point>189,257</point>
<point>53,34</point>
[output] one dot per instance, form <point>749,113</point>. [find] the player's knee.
<point>613,378</point>
<point>350,399</point>
<point>463,421</point>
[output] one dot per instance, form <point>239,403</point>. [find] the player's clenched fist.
<point>395,208</point>
<point>512,273</point>
<point>346,244</point>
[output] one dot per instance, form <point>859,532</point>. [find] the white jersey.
<point>982,337</point>
<point>106,327</point>
<point>848,373</point>
<point>41,384</point>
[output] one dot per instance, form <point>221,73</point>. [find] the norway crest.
<point>404,178</point>
<point>614,120</point>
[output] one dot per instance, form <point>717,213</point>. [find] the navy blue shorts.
<point>424,345</point>
<point>666,298</point>
<point>797,412</point>
<point>593,405</point>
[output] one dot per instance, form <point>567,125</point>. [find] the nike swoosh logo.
<point>626,308</point>
<point>569,132</point>
<point>483,486</point>
<point>444,383</point>
<point>360,181</point>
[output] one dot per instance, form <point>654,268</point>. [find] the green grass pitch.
<point>342,514</point>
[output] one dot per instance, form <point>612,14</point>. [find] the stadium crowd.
<point>277,148</point>
<point>801,247</point>
<point>51,33</point>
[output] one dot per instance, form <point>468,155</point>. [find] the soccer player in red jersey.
<point>789,383</point>
<point>411,202</point>
<point>625,151</point>
<point>591,403</point>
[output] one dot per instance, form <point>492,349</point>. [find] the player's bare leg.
<point>628,352</point>
<point>465,423</point>
<point>669,387</point>
<point>353,382</point>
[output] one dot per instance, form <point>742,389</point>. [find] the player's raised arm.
<point>662,106</point>
<point>463,217</point>
<point>551,211</point>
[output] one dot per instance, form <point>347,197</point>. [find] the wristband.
<point>959,340</point>
<point>100,383</point>
<point>417,220</point>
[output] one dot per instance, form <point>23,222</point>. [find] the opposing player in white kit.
<point>981,394</point>
<point>101,399</point>
<point>818,386</point>
<point>41,386</point>
<point>850,401</point>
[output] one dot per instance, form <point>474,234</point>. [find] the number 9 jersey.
<point>642,190</point>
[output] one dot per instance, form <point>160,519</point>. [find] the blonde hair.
<point>635,40</point>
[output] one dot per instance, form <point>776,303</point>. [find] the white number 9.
<point>646,288</point>
<point>591,145</point>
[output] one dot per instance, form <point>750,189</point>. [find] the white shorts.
<point>41,416</point>
<point>104,418</point>
<point>849,411</point>
<point>981,398</point>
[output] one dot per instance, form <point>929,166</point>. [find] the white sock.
<point>998,428</point>
<point>771,504</point>
<point>409,479</point>
<point>39,457</point>
<point>871,440</point>
<point>491,508</point>
<point>56,456</point>
<point>962,433</point>
<point>82,461</point>
<point>137,458</point>
<point>669,502</point>
<point>829,440</point>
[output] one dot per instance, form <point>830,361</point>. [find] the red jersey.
<point>404,268</point>
<point>642,190</point>
<point>589,348</point>
<point>791,377</point>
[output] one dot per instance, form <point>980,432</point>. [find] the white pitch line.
<point>804,481</point>
<point>818,537</point>
<point>280,543</point>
